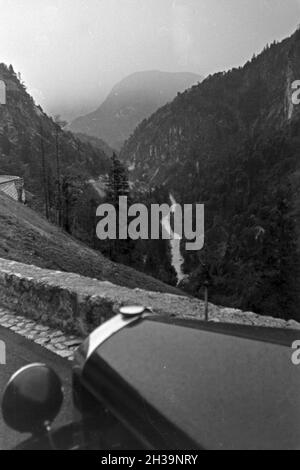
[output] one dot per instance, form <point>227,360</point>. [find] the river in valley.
<point>177,259</point>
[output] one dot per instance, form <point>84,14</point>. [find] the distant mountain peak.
<point>132,100</point>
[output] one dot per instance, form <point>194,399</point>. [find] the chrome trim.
<point>23,369</point>
<point>108,329</point>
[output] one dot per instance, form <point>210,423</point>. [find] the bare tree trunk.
<point>206,304</point>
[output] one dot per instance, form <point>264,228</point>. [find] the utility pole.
<point>206,280</point>
<point>206,301</point>
<point>59,124</point>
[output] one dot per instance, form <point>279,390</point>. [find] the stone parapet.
<point>77,305</point>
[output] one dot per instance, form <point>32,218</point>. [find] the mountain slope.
<point>28,238</point>
<point>95,142</point>
<point>130,102</point>
<point>233,143</point>
<point>214,116</point>
<point>31,142</point>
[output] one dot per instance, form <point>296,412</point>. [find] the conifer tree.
<point>117,182</point>
<point>117,185</point>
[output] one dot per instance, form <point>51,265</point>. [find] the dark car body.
<point>160,383</point>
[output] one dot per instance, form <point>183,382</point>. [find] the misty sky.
<point>71,52</point>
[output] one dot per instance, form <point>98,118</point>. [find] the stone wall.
<point>76,304</point>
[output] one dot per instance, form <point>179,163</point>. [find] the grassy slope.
<point>27,237</point>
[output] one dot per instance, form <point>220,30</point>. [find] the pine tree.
<point>117,182</point>
<point>11,70</point>
<point>72,189</point>
<point>117,185</point>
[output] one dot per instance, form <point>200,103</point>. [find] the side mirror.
<point>32,399</point>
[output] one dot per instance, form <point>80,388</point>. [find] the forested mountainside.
<point>34,146</point>
<point>233,143</point>
<point>61,174</point>
<point>27,237</point>
<point>130,101</point>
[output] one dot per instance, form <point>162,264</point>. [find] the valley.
<point>232,144</point>
<point>131,101</point>
<point>229,142</point>
<point>149,227</point>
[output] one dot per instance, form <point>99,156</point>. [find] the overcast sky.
<point>71,52</point>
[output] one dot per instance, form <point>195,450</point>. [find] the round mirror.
<point>132,310</point>
<point>32,399</point>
